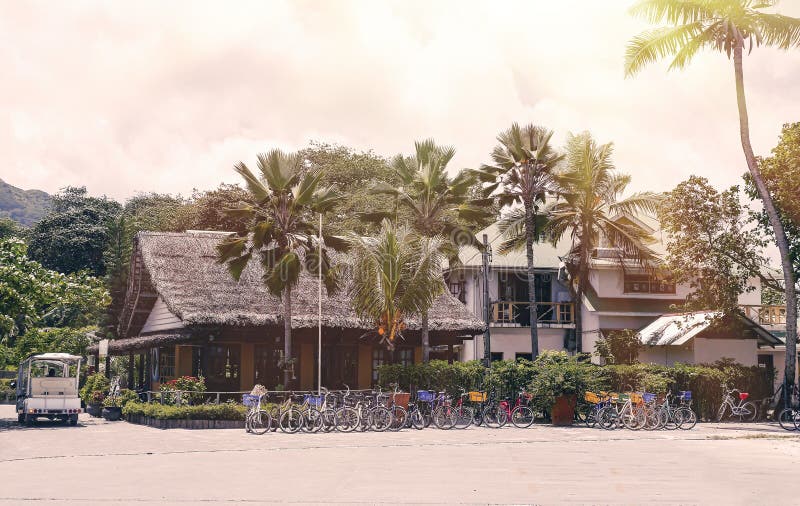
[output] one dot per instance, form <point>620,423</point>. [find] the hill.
<point>23,206</point>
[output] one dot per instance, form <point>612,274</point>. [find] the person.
<point>51,373</point>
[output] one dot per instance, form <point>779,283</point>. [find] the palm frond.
<point>652,45</point>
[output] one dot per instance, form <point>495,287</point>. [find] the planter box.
<point>112,414</point>
<point>185,423</point>
<point>563,412</point>
<point>94,410</point>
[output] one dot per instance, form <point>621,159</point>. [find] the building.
<point>185,315</point>
<point>619,296</point>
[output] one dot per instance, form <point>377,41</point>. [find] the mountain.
<point>23,206</point>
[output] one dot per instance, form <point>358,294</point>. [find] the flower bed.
<point>229,415</point>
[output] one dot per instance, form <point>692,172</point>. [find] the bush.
<point>119,401</point>
<point>435,375</point>
<point>559,374</point>
<point>225,411</point>
<point>95,387</point>
<point>191,390</point>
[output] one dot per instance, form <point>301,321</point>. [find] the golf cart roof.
<point>59,357</point>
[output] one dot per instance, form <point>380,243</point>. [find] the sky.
<point>167,96</point>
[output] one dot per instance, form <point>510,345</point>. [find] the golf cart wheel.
<point>73,420</point>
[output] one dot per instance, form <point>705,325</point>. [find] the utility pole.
<point>487,338</point>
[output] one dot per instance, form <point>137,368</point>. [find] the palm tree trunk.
<point>530,230</point>
<point>583,275</point>
<point>775,223</point>
<point>426,344</point>
<point>287,337</point>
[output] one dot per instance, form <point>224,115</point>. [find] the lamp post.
<point>487,338</point>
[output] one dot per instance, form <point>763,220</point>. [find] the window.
<point>166,362</point>
<point>645,283</point>
<point>526,356</point>
<point>497,355</point>
<point>379,356</point>
<point>405,356</point>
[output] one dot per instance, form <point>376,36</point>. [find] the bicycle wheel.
<point>687,418</point>
<point>417,420</point>
<point>380,419</point>
<point>399,418</point>
<point>786,419</point>
<point>291,420</point>
<point>312,420</point>
<point>464,417</point>
<point>522,417</point>
<point>747,412</point>
<point>260,422</point>
<point>328,420</point>
<point>607,418</point>
<point>444,417</point>
<point>495,417</point>
<point>721,412</point>
<point>347,419</point>
<point>477,416</point>
<point>633,419</point>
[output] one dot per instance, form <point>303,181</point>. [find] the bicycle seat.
<point>743,395</point>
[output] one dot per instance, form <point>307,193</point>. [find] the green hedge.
<point>225,411</point>
<point>508,377</point>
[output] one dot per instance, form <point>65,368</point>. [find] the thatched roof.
<point>183,270</point>
<point>136,344</point>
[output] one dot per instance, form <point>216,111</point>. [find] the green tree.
<point>10,228</point>
<point>729,26</point>
<point>619,347</point>
<point>434,204</point>
<point>74,234</point>
<point>208,207</point>
<point>711,247</point>
<point>279,231</point>
<point>53,340</point>
<point>781,173</point>
<point>395,275</point>
<point>590,188</point>
<point>32,296</point>
<point>524,164</point>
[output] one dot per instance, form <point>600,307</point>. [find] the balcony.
<point>765,315</point>
<point>516,314</point>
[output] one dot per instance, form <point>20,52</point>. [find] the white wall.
<point>743,351</point>
<point>666,355</point>
<point>511,341</point>
<point>161,318</point>
<point>609,281</point>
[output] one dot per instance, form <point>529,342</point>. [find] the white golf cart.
<point>47,387</point>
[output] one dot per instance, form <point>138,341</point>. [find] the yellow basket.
<point>477,396</point>
<point>614,397</point>
<point>637,398</point>
<point>591,397</point>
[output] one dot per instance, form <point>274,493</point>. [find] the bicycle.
<point>257,421</point>
<point>745,410</point>
<point>398,412</point>
<point>629,415</point>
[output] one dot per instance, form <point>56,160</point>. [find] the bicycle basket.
<point>648,397</point>
<point>624,398</point>
<point>400,399</point>
<point>477,396</point>
<point>636,398</point>
<point>249,400</point>
<point>313,400</point>
<point>743,395</point>
<point>685,395</point>
<point>425,395</point>
<point>591,397</point>
<point>613,397</point>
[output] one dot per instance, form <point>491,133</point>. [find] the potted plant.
<point>112,408</point>
<point>93,393</point>
<point>95,406</point>
<point>558,382</point>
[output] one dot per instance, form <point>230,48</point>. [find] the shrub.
<point>559,374</point>
<point>96,383</point>
<point>119,401</point>
<point>224,411</point>
<point>435,375</point>
<point>619,347</point>
<point>186,389</point>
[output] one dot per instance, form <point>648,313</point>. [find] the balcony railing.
<point>517,314</point>
<point>765,315</point>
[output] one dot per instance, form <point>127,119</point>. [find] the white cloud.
<point>166,97</point>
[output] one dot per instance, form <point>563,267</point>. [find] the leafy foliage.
<point>619,347</point>
<point>53,340</point>
<point>32,296</point>
<point>74,234</point>
<point>395,275</point>
<point>224,411</point>
<point>10,228</point>
<point>186,389</point>
<point>711,247</point>
<point>95,388</point>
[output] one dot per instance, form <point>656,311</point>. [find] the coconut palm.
<point>396,274</point>
<point>728,26</point>
<point>278,231</point>
<point>435,204</point>
<point>524,162</point>
<point>589,203</point>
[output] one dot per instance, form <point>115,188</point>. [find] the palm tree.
<point>435,204</point>
<point>278,231</point>
<point>524,162</point>
<point>729,26</point>
<point>396,274</point>
<point>590,188</point>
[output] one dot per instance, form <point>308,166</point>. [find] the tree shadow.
<point>11,424</point>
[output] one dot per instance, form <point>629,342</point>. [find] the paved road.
<point>100,463</point>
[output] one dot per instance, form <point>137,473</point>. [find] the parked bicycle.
<point>738,407</point>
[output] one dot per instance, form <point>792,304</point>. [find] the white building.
<point>617,298</point>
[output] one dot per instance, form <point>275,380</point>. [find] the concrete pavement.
<point>100,462</point>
